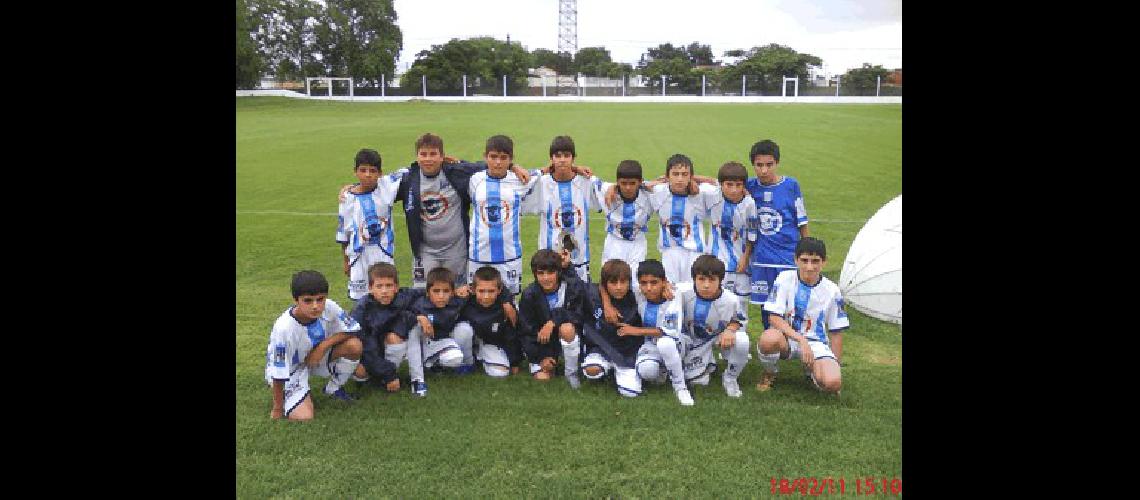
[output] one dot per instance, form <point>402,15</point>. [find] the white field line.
<point>396,213</point>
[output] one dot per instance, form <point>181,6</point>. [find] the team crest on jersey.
<point>494,327</point>
<point>770,221</point>
<point>678,228</point>
<point>726,233</point>
<point>671,321</point>
<point>761,287</point>
<point>566,218</point>
<point>434,205</point>
<point>495,214</point>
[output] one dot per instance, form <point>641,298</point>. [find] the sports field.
<point>478,437</point>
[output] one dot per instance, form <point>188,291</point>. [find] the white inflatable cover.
<point>871,279</point>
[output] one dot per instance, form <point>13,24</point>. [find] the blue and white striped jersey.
<point>811,310</point>
<point>565,205</point>
<point>706,319</point>
<point>290,341</point>
<point>732,225</point>
<point>780,212</point>
<point>366,218</point>
<point>626,220</point>
<point>681,216</point>
<point>668,315</point>
<point>496,205</point>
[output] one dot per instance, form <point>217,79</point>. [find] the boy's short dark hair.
<point>615,270</point>
<point>811,246</point>
<point>678,159</point>
<point>562,143</point>
<point>651,267</point>
<point>488,273</point>
<point>545,260</point>
<point>764,147</point>
<point>430,140</point>
<point>500,143</point>
<point>382,270</point>
<point>732,171</point>
<point>366,157</point>
<point>629,169</point>
<point>707,265</point>
<point>309,283</point>
<point>440,275</point>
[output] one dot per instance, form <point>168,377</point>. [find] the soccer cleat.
<point>465,369</point>
<point>419,389</point>
<point>684,397</point>
<point>732,388</point>
<point>702,380</point>
<point>766,379</point>
<point>342,395</point>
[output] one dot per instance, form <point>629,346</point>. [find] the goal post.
<point>329,81</point>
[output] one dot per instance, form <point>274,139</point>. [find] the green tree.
<point>250,64</point>
<point>359,39</point>
<point>483,58</point>
<point>767,66</point>
<point>592,61</point>
<point>676,64</point>
<point>285,37</point>
<point>700,55</point>
<point>861,81</point>
<point>560,62</point>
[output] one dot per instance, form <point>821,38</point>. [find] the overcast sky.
<point>843,33</point>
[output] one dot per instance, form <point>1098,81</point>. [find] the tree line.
<point>294,39</point>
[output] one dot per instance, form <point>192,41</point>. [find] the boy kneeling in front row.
<point>610,346</point>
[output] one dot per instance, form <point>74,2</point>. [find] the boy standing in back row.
<point>782,220</point>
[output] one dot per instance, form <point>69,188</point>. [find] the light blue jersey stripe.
<point>726,216</point>
<point>368,206</point>
<point>316,331</point>
<point>495,220</point>
<point>700,316</point>
<point>650,316</point>
<point>697,233</point>
<point>819,327</point>
<point>803,296</point>
<point>676,218</point>
<point>549,226</point>
<point>515,223</point>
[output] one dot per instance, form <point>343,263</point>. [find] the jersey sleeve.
<point>710,196</point>
<point>343,322</point>
<point>532,194</point>
<point>278,352</point>
<point>599,188</point>
<point>390,184</point>
<point>777,302</point>
<point>801,212</point>
<point>837,315</point>
<point>343,219</point>
<point>674,318</point>
<point>752,220</point>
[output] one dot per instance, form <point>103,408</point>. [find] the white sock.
<point>672,358</point>
<point>341,369</point>
<point>395,353</point>
<point>415,355</point>
<point>570,351</point>
<point>737,356</point>
<point>768,361</point>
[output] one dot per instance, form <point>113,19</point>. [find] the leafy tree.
<point>285,37</point>
<point>700,55</point>
<point>250,64</point>
<point>767,66</point>
<point>560,62</point>
<point>359,39</point>
<point>861,81</point>
<point>676,63</point>
<point>483,58</point>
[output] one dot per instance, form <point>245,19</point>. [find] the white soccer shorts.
<point>358,271</point>
<point>511,273</point>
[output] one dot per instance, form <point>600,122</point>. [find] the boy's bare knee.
<point>770,341</point>
<point>593,371</point>
<point>353,347</point>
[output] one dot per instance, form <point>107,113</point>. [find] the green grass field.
<point>478,437</point>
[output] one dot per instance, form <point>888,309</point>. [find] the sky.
<point>844,33</point>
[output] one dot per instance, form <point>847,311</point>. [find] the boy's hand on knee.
<point>727,339</point>
<point>425,325</point>
<point>545,331</point>
<point>805,353</point>
<point>393,386</point>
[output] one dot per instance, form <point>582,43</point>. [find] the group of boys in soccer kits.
<point>646,321</point>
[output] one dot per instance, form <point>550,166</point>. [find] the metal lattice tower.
<point>568,26</point>
<point>567,39</point>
